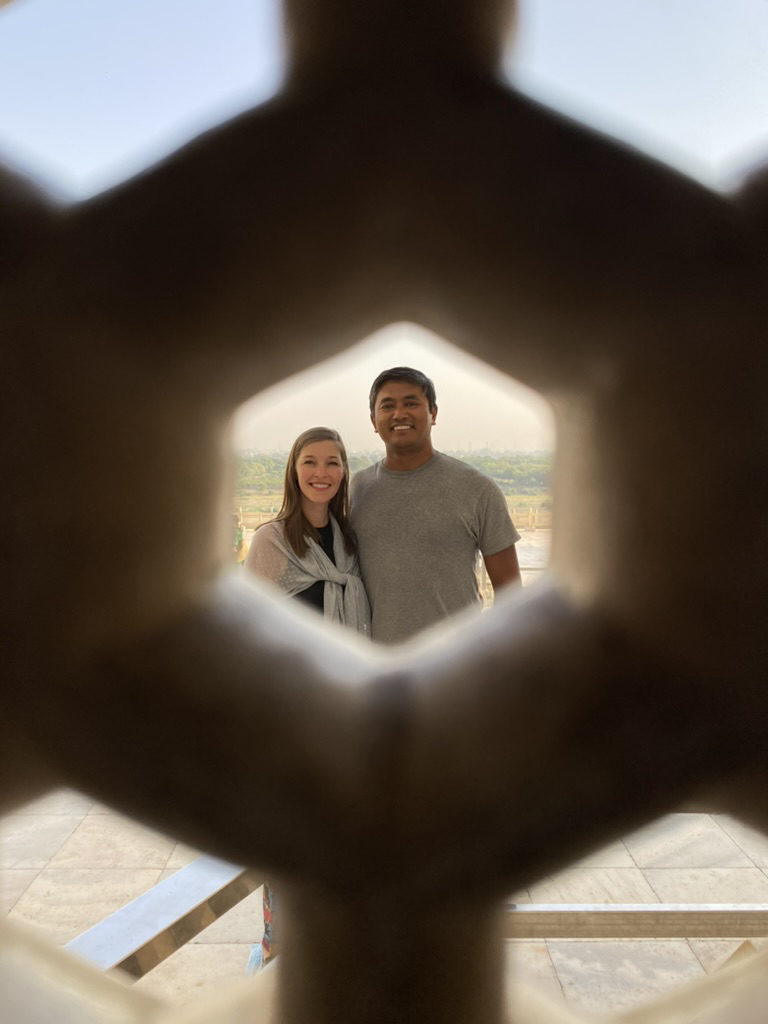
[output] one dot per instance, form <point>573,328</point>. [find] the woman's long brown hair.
<point>297,527</point>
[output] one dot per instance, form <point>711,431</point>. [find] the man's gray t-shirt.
<point>418,533</point>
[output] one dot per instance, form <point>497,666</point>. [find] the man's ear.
<point>434,414</point>
<point>373,424</point>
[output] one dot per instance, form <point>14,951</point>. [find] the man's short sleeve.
<point>496,531</point>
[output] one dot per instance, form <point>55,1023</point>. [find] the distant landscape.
<point>524,477</point>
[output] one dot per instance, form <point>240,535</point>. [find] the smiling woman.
<point>310,553</point>
<point>308,550</point>
<point>320,469</point>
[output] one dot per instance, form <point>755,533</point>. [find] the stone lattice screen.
<point>472,762</point>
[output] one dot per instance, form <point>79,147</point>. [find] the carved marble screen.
<point>630,682</point>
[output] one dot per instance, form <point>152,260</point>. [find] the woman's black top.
<point>314,595</point>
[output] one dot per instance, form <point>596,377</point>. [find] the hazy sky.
<point>478,406</point>
<point>93,90</point>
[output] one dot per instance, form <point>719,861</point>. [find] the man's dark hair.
<point>404,373</point>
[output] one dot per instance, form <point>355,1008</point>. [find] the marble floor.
<point>67,862</point>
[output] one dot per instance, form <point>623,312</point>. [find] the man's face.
<point>402,417</point>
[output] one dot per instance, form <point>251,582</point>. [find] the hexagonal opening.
<point>499,426</point>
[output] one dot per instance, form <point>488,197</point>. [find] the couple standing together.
<point>393,551</point>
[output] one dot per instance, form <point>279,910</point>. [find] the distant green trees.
<point>260,472</point>
<point>514,472</point>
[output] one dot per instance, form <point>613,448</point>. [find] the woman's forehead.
<point>320,449</point>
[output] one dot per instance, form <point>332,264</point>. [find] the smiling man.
<point>421,517</point>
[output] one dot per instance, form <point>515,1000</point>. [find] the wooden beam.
<point>636,921</point>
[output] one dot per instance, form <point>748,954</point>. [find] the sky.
<point>477,406</point>
<point>91,91</point>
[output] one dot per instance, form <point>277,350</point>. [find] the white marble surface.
<point>605,975</point>
<point>181,855</point>
<point>709,885</point>
<point>244,923</point>
<point>196,970</point>
<point>61,801</point>
<point>713,954</point>
<point>31,841</point>
<point>13,884</point>
<point>67,862</point>
<point>532,961</point>
<point>754,844</point>
<point>111,841</point>
<point>594,885</point>
<point>64,902</point>
<point>615,855</point>
<point>685,840</point>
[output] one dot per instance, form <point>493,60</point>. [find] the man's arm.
<point>503,567</point>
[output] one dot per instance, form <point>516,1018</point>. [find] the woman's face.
<point>319,471</point>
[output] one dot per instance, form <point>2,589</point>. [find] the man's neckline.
<point>410,469</point>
